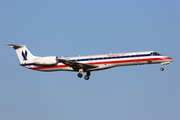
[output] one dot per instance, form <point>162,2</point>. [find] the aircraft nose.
<point>170,59</point>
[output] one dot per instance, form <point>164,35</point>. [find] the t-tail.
<point>26,58</point>
<point>24,55</point>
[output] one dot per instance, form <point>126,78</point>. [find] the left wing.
<point>76,65</point>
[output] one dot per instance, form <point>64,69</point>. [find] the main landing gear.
<point>85,77</point>
<point>80,75</point>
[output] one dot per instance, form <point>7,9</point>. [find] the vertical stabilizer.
<point>23,53</point>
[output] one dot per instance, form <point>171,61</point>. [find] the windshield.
<point>155,53</point>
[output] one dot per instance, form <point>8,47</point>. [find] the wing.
<point>76,65</point>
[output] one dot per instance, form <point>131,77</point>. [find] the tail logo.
<point>24,55</point>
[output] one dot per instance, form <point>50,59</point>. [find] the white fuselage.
<point>106,61</point>
<point>87,63</point>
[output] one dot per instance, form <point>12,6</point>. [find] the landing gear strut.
<point>87,76</point>
<point>162,69</point>
<point>80,73</point>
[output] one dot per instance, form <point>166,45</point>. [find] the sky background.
<point>80,27</point>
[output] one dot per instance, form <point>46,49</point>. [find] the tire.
<point>80,75</point>
<point>162,69</point>
<point>86,77</point>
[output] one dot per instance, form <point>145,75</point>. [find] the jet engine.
<point>49,61</point>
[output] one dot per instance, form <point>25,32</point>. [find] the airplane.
<point>87,64</point>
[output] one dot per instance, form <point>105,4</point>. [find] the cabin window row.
<point>105,58</point>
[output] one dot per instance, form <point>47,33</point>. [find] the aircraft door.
<point>137,59</point>
<point>90,60</point>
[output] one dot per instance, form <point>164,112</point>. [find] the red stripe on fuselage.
<point>57,66</point>
<point>108,62</point>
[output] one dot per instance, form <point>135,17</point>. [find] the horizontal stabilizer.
<point>14,46</point>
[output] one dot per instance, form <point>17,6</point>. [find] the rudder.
<point>24,55</point>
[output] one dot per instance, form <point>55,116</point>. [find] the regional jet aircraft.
<point>87,64</point>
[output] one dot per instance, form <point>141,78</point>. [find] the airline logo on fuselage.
<point>24,55</point>
<point>115,55</point>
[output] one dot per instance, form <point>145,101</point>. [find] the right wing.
<point>76,65</point>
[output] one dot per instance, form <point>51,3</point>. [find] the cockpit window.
<point>155,53</point>
<point>152,53</point>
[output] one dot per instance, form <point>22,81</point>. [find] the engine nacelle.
<point>49,61</point>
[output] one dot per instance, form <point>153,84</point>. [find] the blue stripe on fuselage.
<point>101,58</point>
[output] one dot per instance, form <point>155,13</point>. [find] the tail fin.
<point>23,53</point>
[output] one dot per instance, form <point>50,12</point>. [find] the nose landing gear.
<point>162,69</point>
<point>164,63</point>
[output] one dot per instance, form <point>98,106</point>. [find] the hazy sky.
<point>79,27</point>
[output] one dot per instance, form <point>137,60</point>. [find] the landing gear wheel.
<point>80,75</point>
<point>162,69</point>
<point>86,77</point>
